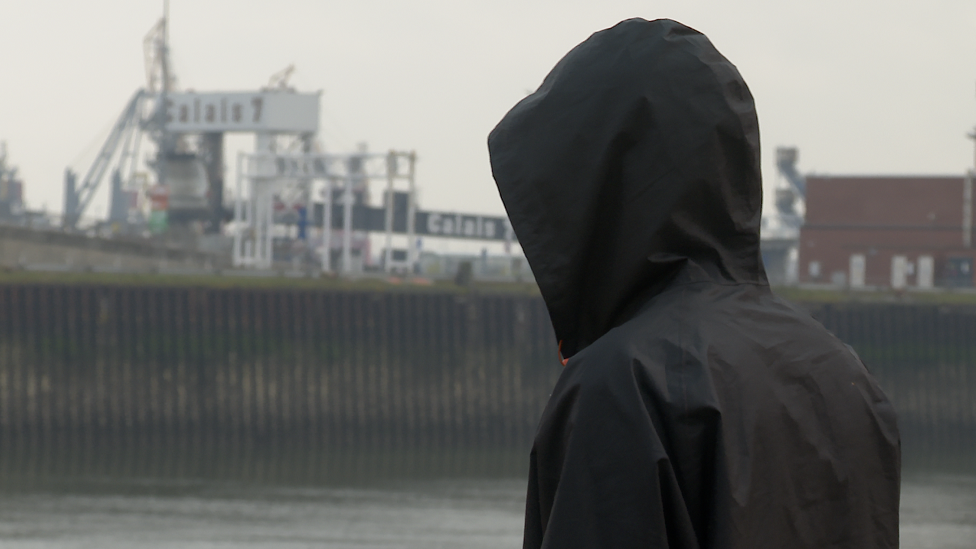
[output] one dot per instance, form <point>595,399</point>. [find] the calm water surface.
<point>445,513</point>
<point>357,504</point>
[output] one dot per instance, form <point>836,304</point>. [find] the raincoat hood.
<point>635,160</point>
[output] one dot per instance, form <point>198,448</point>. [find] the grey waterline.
<point>938,511</point>
<point>447,513</point>
<point>259,494</point>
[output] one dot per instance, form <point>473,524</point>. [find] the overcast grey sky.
<point>860,86</point>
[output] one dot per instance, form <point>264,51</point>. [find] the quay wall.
<point>346,368</point>
<point>378,368</point>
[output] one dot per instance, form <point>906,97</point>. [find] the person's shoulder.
<point>625,352</point>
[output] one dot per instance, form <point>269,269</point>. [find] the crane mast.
<point>788,198</point>
<point>78,197</point>
<point>123,142</point>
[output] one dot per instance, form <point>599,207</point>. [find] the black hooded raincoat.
<point>696,409</point>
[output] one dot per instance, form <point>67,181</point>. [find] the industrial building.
<point>888,231</point>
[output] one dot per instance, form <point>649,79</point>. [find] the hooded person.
<point>696,409</point>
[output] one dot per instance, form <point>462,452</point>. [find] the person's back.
<point>696,408</point>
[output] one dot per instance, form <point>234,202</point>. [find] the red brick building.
<point>888,231</point>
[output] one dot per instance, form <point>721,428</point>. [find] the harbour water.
<point>470,513</point>
<point>464,500</point>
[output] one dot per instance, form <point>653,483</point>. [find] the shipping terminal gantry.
<point>290,198</point>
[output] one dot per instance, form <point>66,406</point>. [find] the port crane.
<point>187,128</point>
<point>124,136</point>
<point>121,148</point>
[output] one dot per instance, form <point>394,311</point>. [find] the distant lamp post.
<point>972,135</point>
<point>967,199</point>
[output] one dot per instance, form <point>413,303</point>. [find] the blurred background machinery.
<point>781,225</point>
<point>177,188</point>
<point>11,189</point>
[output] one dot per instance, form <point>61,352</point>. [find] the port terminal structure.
<point>187,129</point>
<point>292,201</point>
<point>341,181</point>
<point>343,212</point>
